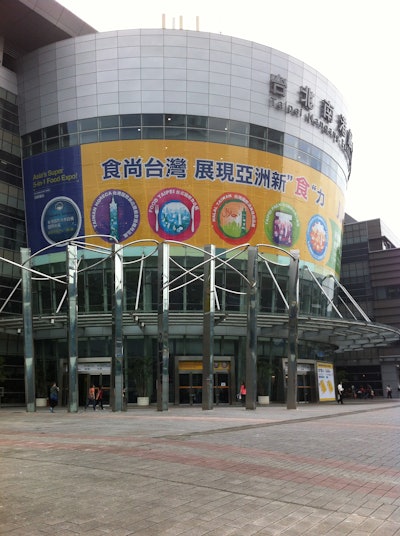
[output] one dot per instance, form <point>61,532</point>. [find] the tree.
<point>142,374</point>
<point>264,373</point>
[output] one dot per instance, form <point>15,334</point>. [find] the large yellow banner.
<point>206,193</point>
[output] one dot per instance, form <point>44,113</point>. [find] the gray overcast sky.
<point>354,44</point>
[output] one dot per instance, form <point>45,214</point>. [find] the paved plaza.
<point>320,469</point>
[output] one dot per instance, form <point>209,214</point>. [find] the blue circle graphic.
<point>317,237</point>
<point>174,217</point>
<point>61,220</point>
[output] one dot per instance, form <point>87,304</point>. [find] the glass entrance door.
<point>222,393</point>
<point>305,388</point>
<point>86,380</point>
<point>189,381</point>
<point>190,388</point>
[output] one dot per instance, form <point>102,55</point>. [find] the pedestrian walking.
<point>91,397</point>
<point>242,393</point>
<point>388,391</point>
<point>99,398</point>
<point>340,390</point>
<point>53,396</point>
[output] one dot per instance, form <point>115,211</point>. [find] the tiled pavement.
<point>321,469</point>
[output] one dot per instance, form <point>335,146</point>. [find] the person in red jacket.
<point>91,397</point>
<point>99,398</point>
<point>243,392</point>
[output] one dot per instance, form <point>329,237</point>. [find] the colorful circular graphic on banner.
<point>115,213</point>
<point>174,214</point>
<point>317,237</point>
<point>234,218</point>
<point>282,225</point>
<point>61,220</point>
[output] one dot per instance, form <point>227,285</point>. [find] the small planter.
<point>143,400</point>
<point>41,402</point>
<point>263,400</point>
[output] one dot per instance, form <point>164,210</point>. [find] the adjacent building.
<point>370,272</point>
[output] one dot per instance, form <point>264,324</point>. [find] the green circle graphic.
<point>282,225</point>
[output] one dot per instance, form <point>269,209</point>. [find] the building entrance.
<point>87,380</point>
<point>306,388</point>
<point>91,371</point>
<point>306,383</point>
<point>189,380</point>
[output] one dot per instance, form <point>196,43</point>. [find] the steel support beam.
<point>29,352</point>
<point>163,338</point>
<point>72,281</point>
<point>251,339</point>
<point>208,327</point>
<point>117,361</point>
<point>293,295</point>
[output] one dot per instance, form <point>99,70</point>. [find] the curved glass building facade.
<point>182,135</point>
<point>171,158</point>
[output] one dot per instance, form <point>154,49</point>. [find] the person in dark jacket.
<point>99,398</point>
<point>53,396</point>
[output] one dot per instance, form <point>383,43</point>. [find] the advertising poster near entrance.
<point>326,382</point>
